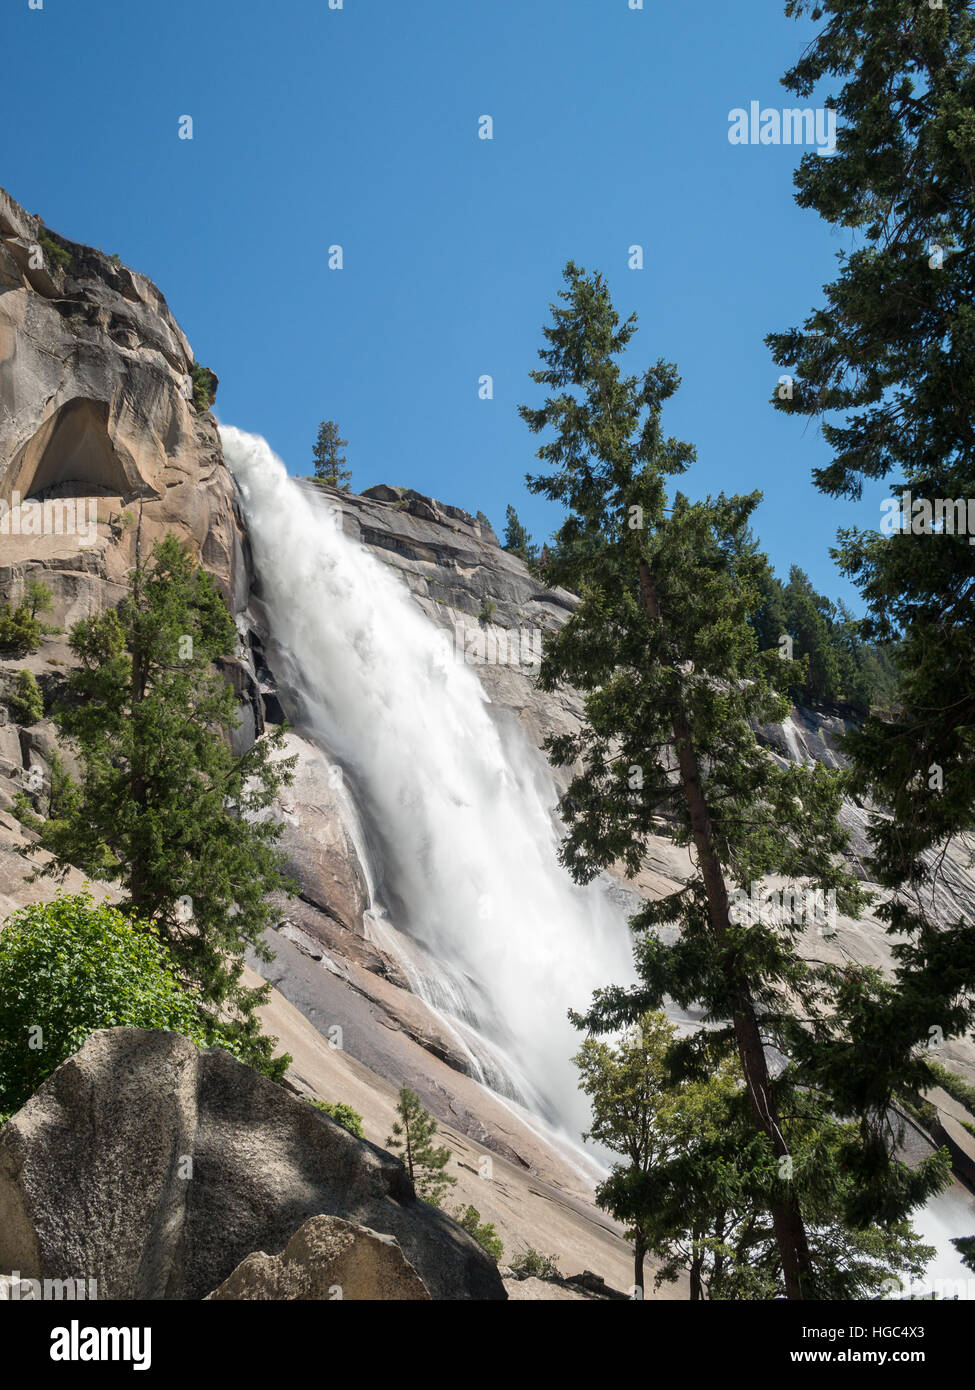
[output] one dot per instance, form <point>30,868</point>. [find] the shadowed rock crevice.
<point>72,455</point>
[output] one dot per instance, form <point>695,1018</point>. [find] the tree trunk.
<point>790,1231</point>
<point>639,1255</point>
<point>697,1264</point>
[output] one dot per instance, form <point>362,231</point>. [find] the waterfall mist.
<point>457,807</point>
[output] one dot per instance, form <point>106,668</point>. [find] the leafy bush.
<point>342,1114</point>
<point>486,1235</point>
<point>204,388</point>
<point>21,628</point>
<point>58,255</point>
<point>534,1265</point>
<point>20,634</point>
<point>488,609</point>
<point>25,700</point>
<point>70,967</point>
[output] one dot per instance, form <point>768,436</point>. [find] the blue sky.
<point>359,127</point>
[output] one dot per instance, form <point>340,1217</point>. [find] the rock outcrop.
<point>328,1259</point>
<point>101,448</point>
<point>96,404</point>
<point>156,1169</point>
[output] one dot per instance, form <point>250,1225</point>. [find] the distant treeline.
<point>840,668</point>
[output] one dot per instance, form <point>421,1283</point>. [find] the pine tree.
<point>413,1133</point>
<point>805,621</point>
<point>674,685</point>
<point>165,807</point>
<point>886,364</point>
<point>516,538</point>
<point>328,458</point>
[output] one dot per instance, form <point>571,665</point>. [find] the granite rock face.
<point>328,1259</point>
<point>156,1169</point>
<point>96,418</point>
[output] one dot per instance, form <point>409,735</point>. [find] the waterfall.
<point>458,807</point>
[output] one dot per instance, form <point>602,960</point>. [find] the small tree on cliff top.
<point>329,458</point>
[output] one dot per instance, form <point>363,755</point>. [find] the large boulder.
<point>328,1259</point>
<point>157,1168</point>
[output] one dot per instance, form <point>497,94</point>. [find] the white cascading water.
<point>459,807</point>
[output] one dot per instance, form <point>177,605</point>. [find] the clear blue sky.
<point>359,127</point>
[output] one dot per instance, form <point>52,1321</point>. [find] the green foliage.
<point>839,667</point>
<point>486,1235</point>
<point>21,628</point>
<point>516,538</point>
<point>483,522</point>
<point>534,1265</point>
<point>956,1086</point>
<point>328,457</point>
<point>885,364</point>
<point>70,967</point>
<point>413,1135</point>
<point>488,612</point>
<point>965,1245</point>
<point>165,807</point>
<point>342,1114</point>
<point>663,648</point>
<point>205,385</point>
<point>57,254</point>
<point>24,699</point>
<point>694,1190</point>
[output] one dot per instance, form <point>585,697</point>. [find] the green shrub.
<point>204,388</point>
<point>532,1264</point>
<point>70,967</point>
<point>58,255</point>
<point>488,609</point>
<point>20,634</point>
<point>955,1085</point>
<point>342,1114</point>
<point>486,1235</point>
<point>21,628</point>
<point>25,700</point>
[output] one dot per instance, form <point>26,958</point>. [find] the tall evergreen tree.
<point>165,808</point>
<point>662,647</point>
<point>328,457</point>
<point>888,364</point>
